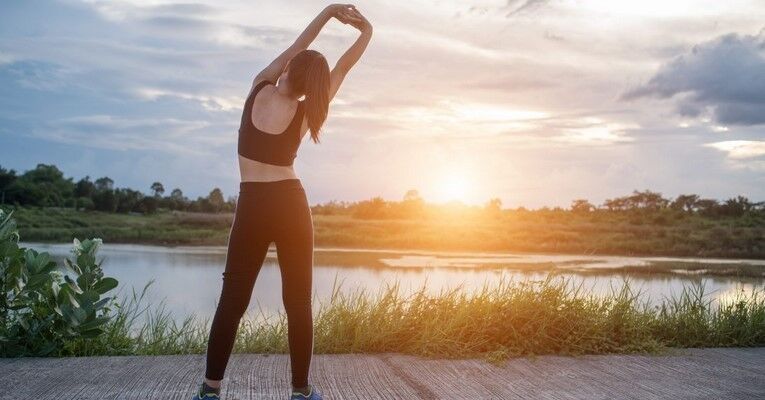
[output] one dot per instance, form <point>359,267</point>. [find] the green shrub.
<point>44,306</point>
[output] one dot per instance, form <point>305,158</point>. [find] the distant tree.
<point>85,203</point>
<point>412,195</point>
<point>581,206</point>
<point>617,204</point>
<point>493,206</point>
<point>413,206</point>
<point>230,204</point>
<point>148,205</point>
<point>176,200</point>
<point>104,183</point>
<point>158,189</point>
<point>376,207</point>
<point>104,199</point>
<point>646,200</point>
<point>6,179</point>
<point>216,200</point>
<point>736,206</point>
<point>84,188</point>
<point>128,200</point>
<point>333,207</point>
<point>685,202</point>
<point>707,207</point>
<point>42,186</point>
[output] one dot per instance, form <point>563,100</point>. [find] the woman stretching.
<point>272,205</point>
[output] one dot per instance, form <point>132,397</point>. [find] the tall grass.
<point>502,320</point>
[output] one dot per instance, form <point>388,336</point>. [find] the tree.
<point>176,200</point>
<point>43,186</point>
<point>158,189</point>
<point>412,195</point>
<point>84,188</point>
<point>685,202</point>
<point>616,204</point>
<point>6,179</point>
<point>148,205</point>
<point>128,200</point>
<point>736,206</point>
<point>176,194</point>
<point>376,207</point>
<point>707,207</point>
<point>104,183</point>
<point>494,205</point>
<point>105,200</point>
<point>581,206</point>
<point>216,200</point>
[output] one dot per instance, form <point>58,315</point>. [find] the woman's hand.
<point>337,10</point>
<point>353,17</point>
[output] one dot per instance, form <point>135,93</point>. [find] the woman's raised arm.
<point>353,54</point>
<point>273,70</point>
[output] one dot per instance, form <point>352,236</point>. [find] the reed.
<point>505,319</point>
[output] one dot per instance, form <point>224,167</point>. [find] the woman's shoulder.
<point>258,85</point>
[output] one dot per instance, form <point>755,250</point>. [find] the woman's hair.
<point>308,74</point>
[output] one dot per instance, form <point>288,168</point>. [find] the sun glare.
<point>453,186</point>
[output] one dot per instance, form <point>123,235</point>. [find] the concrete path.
<point>684,374</point>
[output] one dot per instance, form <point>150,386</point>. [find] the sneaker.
<point>205,396</point>
<point>314,394</point>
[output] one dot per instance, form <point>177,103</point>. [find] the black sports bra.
<point>276,149</point>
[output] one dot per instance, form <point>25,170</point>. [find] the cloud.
<point>740,149</point>
<point>518,6</point>
<point>723,79</point>
<point>6,58</point>
<point>120,133</point>
<point>743,154</point>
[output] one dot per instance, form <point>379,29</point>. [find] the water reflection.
<point>189,279</point>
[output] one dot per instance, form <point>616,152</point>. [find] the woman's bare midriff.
<point>256,171</point>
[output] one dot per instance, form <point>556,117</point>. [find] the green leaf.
<point>37,281</point>
<point>73,300</point>
<point>75,287</point>
<point>101,303</point>
<point>89,296</point>
<point>105,285</point>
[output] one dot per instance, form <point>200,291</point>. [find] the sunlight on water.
<point>189,279</point>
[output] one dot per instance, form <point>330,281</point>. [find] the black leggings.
<point>267,212</point>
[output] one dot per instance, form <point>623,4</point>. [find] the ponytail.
<point>309,72</point>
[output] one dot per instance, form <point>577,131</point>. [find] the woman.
<point>272,205</point>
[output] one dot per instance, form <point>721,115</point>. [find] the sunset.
<point>550,100</point>
<point>469,199</point>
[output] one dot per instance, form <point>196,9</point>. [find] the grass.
<point>503,320</point>
<point>520,231</point>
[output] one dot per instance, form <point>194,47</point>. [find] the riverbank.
<point>675,235</point>
<point>717,374</point>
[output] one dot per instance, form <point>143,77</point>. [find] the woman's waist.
<point>251,170</point>
<point>261,186</point>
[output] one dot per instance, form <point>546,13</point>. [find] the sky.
<point>535,102</point>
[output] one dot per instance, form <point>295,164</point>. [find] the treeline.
<point>46,186</point>
<point>639,202</point>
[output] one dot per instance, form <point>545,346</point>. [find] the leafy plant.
<point>42,305</point>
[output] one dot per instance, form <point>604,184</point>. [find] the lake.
<point>189,279</point>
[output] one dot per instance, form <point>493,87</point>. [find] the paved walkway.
<point>684,374</point>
